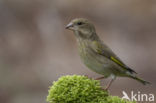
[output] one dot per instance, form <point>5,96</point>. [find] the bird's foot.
<point>105,89</point>
<point>99,78</point>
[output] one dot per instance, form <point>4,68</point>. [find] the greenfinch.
<point>96,55</point>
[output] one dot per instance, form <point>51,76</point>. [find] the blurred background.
<point>35,48</point>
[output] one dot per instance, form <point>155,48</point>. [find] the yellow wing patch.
<point>122,65</point>
<point>116,61</point>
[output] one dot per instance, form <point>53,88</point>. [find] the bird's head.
<point>82,27</point>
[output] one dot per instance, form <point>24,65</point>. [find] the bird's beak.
<point>69,26</point>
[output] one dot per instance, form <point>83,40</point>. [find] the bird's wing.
<point>104,50</point>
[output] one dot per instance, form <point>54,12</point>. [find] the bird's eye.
<point>79,23</point>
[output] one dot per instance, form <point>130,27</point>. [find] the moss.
<point>80,89</point>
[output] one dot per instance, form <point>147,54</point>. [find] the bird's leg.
<point>109,84</point>
<point>99,78</point>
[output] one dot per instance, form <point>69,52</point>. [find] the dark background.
<point>35,48</point>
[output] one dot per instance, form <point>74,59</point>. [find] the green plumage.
<point>96,55</point>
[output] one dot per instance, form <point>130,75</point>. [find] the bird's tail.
<point>140,80</point>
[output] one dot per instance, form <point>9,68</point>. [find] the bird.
<point>96,55</point>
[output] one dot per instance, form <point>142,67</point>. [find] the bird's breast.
<point>92,60</point>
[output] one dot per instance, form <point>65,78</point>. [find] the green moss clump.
<point>80,89</point>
